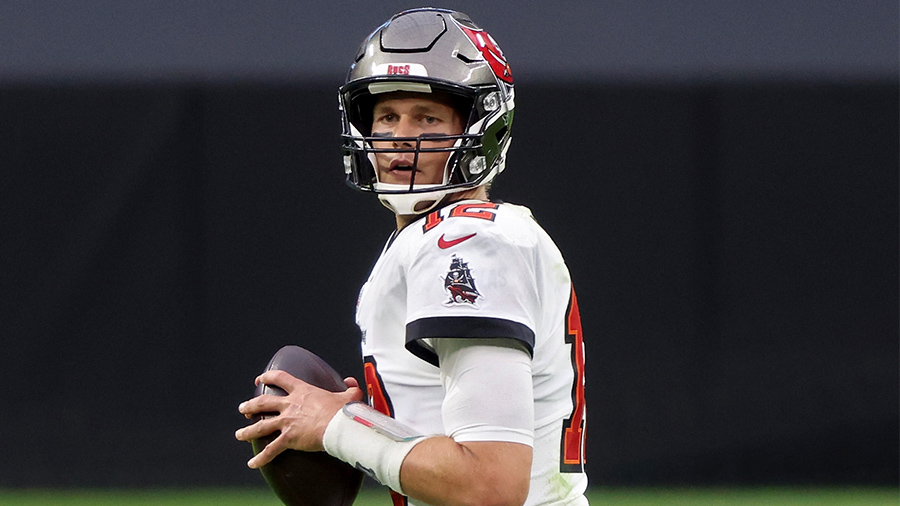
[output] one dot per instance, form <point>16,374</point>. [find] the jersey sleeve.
<point>484,286</point>
<point>472,412</point>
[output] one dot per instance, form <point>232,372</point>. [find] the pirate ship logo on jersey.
<point>460,283</point>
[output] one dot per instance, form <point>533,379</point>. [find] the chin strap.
<point>405,204</point>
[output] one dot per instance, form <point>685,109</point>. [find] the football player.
<point>471,337</point>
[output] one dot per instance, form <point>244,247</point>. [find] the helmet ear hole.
<point>501,134</point>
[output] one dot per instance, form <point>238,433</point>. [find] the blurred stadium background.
<point>722,178</point>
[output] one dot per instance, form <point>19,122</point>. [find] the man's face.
<point>411,115</point>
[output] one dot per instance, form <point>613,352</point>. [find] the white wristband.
<point>370,441</point>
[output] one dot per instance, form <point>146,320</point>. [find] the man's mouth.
<point>402,165</point>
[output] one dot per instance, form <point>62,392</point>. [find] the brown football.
<point>307,478</point>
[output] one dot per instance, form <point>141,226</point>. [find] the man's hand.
<point>302,416</point>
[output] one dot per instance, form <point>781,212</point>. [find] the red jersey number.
<point>481,210</point>
<point>572,442</point>
<point>381,401</point>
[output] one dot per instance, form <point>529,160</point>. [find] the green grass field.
<point>374,497</point>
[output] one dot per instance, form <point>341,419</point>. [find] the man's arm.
<point>488,411</point>
<point>442,472</point>
<point>488,387</point>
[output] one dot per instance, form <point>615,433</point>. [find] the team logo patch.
<point>460,284</point>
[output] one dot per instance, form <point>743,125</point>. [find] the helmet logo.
<point>491,52</point>
<point>401,69</point>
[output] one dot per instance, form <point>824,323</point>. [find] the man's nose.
<point>405,128</point>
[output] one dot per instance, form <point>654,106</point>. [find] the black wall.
<point>734,247</point>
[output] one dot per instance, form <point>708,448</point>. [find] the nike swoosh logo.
<point>443,244</point>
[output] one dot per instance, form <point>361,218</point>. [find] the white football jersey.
<point>476,269</point>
